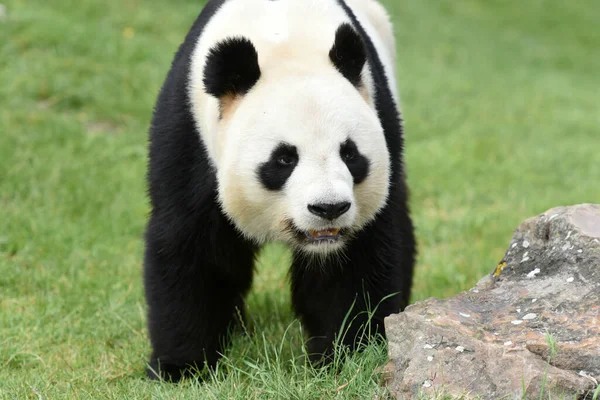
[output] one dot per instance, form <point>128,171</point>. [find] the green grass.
<point>502,118</point>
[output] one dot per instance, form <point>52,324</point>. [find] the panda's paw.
<point>171,372</point>
<point>320,352</point>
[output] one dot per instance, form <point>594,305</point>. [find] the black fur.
<point>348,53</point>
<point>231,68</point>
<point>274,173</point>
<point>198,268</point>
<point>357,163</point>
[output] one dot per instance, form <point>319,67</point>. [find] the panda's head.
<point>299,150</point>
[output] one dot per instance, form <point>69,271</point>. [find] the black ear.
<point>231,68</point>
<point>348,53</point>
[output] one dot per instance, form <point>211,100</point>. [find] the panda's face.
<point>303,160</point>
<point>291,129</point>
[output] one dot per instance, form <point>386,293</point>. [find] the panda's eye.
<point>348,151</point>
<point>286,160</point>
<point>348,156</point>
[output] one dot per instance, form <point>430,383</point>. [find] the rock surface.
<point>531,328</point>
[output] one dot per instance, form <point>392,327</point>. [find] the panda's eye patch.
<point>357,164</point>
<point>275,172</point>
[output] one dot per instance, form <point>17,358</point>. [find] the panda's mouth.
<point>326,234</point>
<point>321,236</point>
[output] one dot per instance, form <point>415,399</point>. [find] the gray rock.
<point>531,328</point>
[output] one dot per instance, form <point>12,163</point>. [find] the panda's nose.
<point>329,211</point>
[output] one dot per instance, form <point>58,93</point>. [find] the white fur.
<point>302,100</point>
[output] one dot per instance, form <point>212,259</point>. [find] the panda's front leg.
<point>345,300</point>
<point>194,290</point>
<point>321,299</point>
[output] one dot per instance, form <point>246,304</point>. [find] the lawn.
<point>501,101</point>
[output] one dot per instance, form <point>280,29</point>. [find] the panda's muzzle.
<point>327,211</point>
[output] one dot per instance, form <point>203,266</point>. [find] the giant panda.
<point>278,121</point>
